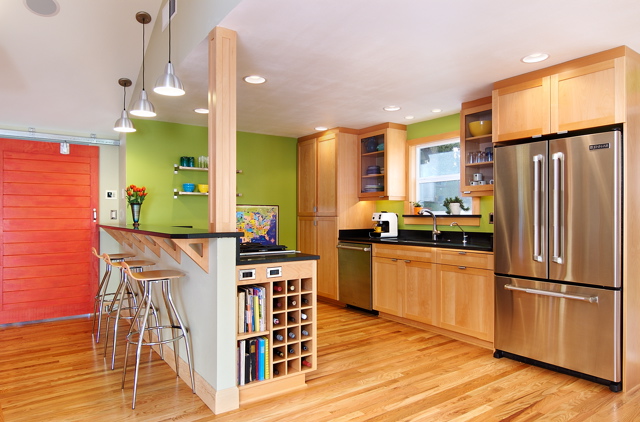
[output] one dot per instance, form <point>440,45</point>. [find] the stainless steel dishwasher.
<point>354,275</point>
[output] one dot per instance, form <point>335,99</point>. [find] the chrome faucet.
<point>464,235</point>
<point>436,232</point>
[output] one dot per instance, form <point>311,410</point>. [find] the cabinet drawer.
<point>465,259</point>
<point>411,253</point>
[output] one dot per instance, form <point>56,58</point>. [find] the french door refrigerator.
<point>557,246</point>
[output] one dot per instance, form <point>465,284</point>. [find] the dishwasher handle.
<point>355,248</point>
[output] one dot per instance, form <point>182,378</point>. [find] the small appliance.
<point>386,224</point>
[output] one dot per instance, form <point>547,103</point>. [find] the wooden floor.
<point>370,369</point>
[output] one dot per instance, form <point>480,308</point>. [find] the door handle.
<point>95,215</point>
<point>558,206</point>
<point>590,299</point>
<point>538,167</point>
<point>354,248</point>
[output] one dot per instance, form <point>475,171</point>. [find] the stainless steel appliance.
<point>354,275</point>
<point>557,247</point>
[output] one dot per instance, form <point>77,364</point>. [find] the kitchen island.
<point>204,298</point>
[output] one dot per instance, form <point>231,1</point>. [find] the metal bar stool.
<point>101,295</point>
<point>148,279</point>
<point>130,293</point>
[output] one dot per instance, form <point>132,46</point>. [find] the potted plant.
<point>417,206</point>
<point>454,205</point>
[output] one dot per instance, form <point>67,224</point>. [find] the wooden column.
<point>222,130</point>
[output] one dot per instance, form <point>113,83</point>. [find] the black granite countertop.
<point>170,231</point>
<point>274,258</point>
<point>478,241</point>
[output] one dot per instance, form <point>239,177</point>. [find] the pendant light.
<point>124,124</point>
<point>168,83</point>
<point>143,107</point>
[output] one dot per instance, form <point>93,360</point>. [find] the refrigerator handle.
<point>558,181</point>
<point>590,299</point>
<point>538,162</point>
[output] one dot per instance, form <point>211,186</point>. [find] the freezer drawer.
<point>576,328</point>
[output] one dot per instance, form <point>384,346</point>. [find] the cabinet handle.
<point>407,261</point>
<point>315,209</point>
<point>467,191</point>
<point>462,253</point>
<point>462,268</point>
<point>394,259</point>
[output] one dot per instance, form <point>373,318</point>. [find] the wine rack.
<point>290,316</point>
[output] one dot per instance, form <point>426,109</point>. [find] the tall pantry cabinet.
<point>328,199</point>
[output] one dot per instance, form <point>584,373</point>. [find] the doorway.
<point>48,224</point>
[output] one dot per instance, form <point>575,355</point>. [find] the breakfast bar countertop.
<point>171,232</point>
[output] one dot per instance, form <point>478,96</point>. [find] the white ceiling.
<point>327,62</point>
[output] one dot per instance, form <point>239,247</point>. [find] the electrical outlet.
<point>114,214</point>
<point>490,218</point>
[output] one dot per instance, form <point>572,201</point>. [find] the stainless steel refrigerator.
<point>557,243</point>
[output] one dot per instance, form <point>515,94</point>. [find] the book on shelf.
<point>242,349</point>
<point>251,309</point>
<point>260,359</point>
<point>254,362</point>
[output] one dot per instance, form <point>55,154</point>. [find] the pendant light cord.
<point>124,98</point>
<point>169,35</point>
<point>143,25</point>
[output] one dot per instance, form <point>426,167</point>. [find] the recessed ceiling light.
<point>254,79</point>
<point>320,128</point>
<point>391,108</point>
<point>201,110</point>
<point>409,117</point>
<point>44,8</point>
<point>436,110</point>
<point>535,58</point>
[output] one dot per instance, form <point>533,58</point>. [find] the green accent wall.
<point>268,177</point>
<point>428,128</point>
<point>151,153</point>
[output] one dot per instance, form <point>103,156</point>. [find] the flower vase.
<point>135,213</point>
<point>454,207</point>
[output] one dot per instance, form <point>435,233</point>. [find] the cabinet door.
<point>306,241</point>
<point>327,201</point>
<point>586,97</point>
<point>420,293</point>
<point>466,300</point>
<point>307,177</point>
<point>521,110</point>
<point>388,285</point>
<point>327,240</point>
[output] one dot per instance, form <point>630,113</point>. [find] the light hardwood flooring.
<point>370,369</point>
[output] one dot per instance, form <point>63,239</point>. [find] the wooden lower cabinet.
<point>419,284</point>
<point>388,285</point>
<point>405,288</point>
<point>319,236</point>
<point>420,299</point>
<point>466,300</point>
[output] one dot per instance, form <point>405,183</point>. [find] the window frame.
<point>412,170</point>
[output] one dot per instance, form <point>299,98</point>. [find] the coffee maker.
<point>386,224</point>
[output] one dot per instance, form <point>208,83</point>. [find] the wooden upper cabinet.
<point>381,162</point>
<point>521,110</point>
<point>307,177</point>
<point>327,200</point>
<point>580,94</point>
<point>589,96</point>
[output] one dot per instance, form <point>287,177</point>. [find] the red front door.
<point>47,203</point>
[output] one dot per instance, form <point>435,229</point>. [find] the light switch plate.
<point>110,194</point>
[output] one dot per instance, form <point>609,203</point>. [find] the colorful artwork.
<point>258,223</point>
